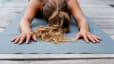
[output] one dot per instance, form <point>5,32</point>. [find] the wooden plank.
<point>54,56</point>
<point>77,61</point>
<point>109,30</point>
<point>96,2</point>
<point>101,17</point>
<point>98,11</point>
<point>103,21</point>
<point>112,36</point>
<point>93,5</point>
<point>1,29</point>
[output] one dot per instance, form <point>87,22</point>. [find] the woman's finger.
<point>91,38</point>
<point>85,38</point>
<point>34,38</point>
<point>28,38</point>
<point>97,39</point>
<point>17,39</point>
<point>13,39</point>
<point>78,36</point>
<point>22,39</point>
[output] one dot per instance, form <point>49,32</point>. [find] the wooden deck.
<point>99,11</point>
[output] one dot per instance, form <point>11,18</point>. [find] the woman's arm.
<point>82,22</point>
<point>32,8</point>
<point>25,23</point>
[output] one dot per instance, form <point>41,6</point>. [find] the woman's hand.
<point>24,35</point>
<point>88,36</point>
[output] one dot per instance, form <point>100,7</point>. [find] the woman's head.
<point>54,12</point>
<point>58,19</point>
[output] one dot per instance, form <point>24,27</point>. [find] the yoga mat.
<point>105,46</point>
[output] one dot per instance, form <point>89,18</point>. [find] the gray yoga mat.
<point>105,46</point>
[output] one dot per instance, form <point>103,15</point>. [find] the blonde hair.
<point>58,20</point>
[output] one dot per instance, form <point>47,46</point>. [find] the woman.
<point>35,5</point>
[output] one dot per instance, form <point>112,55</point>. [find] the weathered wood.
<point>96,2</point>
<point>54,56</point>
<point>78,61</point>
<point>1,30</point>
<point>94,5</point>
<point>112,36</point>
